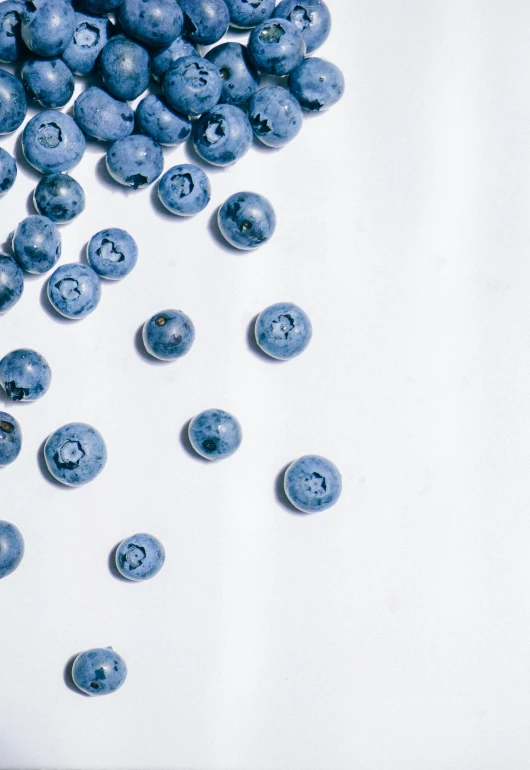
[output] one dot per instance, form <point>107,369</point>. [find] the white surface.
<point>391,633</point>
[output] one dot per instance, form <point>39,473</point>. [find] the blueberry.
<point>99,671</point>
<point>163,58</point>
<point>25,375</point>
<point>222,135</point>
<point>74,290</point>
<point>11,546</point>
<point>49,82</point>
<point>312,483</point>
<point>10,440</point>
<point>283,330</point>
<point>125,68</point>
<point>53,142</point>
<point>275,116</point>
<point>155,23</point>
<point>36,244</point>
<point>184,190</point>
<point>8,171</point>
<point>102,117</point>
<point>75,454</point>
<point>11,283</point>
<point>245,14</point>
<point>155,119</point>
<point>112,253</point>
<point>205,21</point>
<point>311,17</point>
<point>317,84</point>
<point>99,7</point>
<point>13,103</point>
<point>47,26</point>
<point>215,434</point>
<point>90,37</point>
<point>276,47</point>
<point>59,197</point>
<point>12,48</point>
<point>168,334</point>
<point>140,557</point>
<point>240,79</point>
<point>135,161</point>
<point>192,85</point>
<point>247,220</point>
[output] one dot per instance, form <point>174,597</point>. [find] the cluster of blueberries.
<point>217,101</point>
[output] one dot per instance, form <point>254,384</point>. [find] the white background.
<point>392,632</point>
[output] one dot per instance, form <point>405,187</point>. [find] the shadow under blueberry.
<point>142,352</point>
<point>187,446</point>
<point>68,678</point>
<point>161,209</point>
<point>192,156</point>
<point>41,461</point>
<point>50,310</point>
<point>114,571</point>
<point>281,497</point>
<point>213,227</point>
<point>255,348</point>
<point>22,162</point>
<point>30,205</point>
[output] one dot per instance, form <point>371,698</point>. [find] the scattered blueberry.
<point>53,142</point>
<point>25,375</point>
<point>135,161</point>
<point>276,47</point>
<point>275,116</point>
<point>11,46</point>
<point>245,14</point>
<point>59,197</point>
<point>247,220</point>
<point>11,283</point>
<point>240,79</point>
<point>75,454</point>
<point>155,119</point>
<point>74,290</point>
<point>283,330</point>
<point>11,546</point>
<point>317,84</point>
<point>13,103</point>
<point>311,17</point>
<point>90,37</point>
<point>205,21</point>
<point>163,58</point>
<point>49,82</point>
<point>312,483</point>
<point>192,85</point>
<point>112,253</point>
<point>155,23</point>
<point>222,135</point>
<point>36,244</point>
<point>102,117</point>
<point>99,671</point>
<point>184,190</point>
<point>99,7</point>
<point>47,26</point>
<point>140,557</point>
<point>10,440</point>
<point>168,334</point>
<point>215,434</point>
<point>125,68</point>
<point>8,171</point>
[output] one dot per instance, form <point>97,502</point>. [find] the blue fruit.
<point>155,23</point>
<point>205,21</point>
<point>59,197</point>
<point>74,290</point>
<point>11,283</point>
<point>222,135</point>
<point>25,375</point>
<point>49,82</point>
<point>75,454</point>
<point>245,14</point>
<point>317,84</point>
<point>311,17</point>
<point>99,671</point>
<point>12,48</point>
<point>215,434</point>
<point>53,142</point>
<point>247,220</point>
<point>168,334</point>
<point>11,547</point>
<point>312,483</point>
<point>125,68</point>
<point>276,47</point>
<point>36,244</point>
<point>184,190</point>
<point>135,161</point>
<point>102,117</point>
<point>47,26</point>
<point>163,58</point>
<point>240,79</point>
<point>112,253</point>
<point>8,171</point>
<point>99,7</point>
<point>140,557</point>
<point>192,85</point>
<point>275,116</point>
<point>10,440</point>
<point>90,37</point>
<point>155,119</point>
<point>283,330</point>
<point>13,103</point>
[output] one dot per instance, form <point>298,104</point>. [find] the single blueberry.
<point>155,23</point>
<point>36,244</point>
<point>53,142</point>
<point>99,671</point>
<point>312,483</point>
<point>192,85</point>
<point>49,82</point>
<point>276,47</point>
<point>74,290</point>
<point>205,21</point>
<point>90,37</point>
<point>184,190</point>
<point>102,117</point>
<point>11,546</point>
<point>275,116</point>
<point>247,220</point>
<point>99,7</point>
<point>245,14</point>
<point>25,375</point>
<point>283,330</point>
<point>163,58</point>
<point>13,103</point>
<point>11,283</point>
<point>311,17</point>
<point>112,253</point>
<point>222,135</point>
<point>240,78</point>
<point>317,84</point>
<point>155,119</point>
<point>75,454</point>
<point>59,197</point>
<point>125,68</point>
<point>8,171</point>
<point>47,26</point>
<point>168,334</point>
<point>135,161</point>
<point>10,440</point>
<point>140,557</point>
<point>12,49</point>
<point>215,434</point>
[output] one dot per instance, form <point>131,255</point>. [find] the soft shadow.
<point>30,205</point>
<point>186,444</point>
<point>44,469</point>
<point>161,209</point>
<point>22,162</point>
<point>263,148</point>
<point>213,227</point>
<point>114,571</point>
<point>50,310</point>
<point>193,157</point>
<point>255,348</point>
<point>281,497</point>
<point>104,177</point>
<point>142,352</point>
<point>68,678</point>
